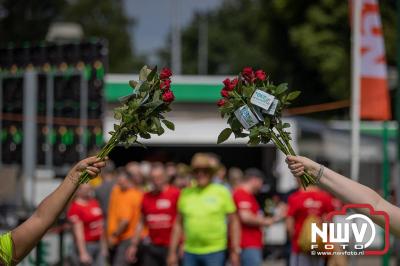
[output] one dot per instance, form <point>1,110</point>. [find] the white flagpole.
<point>355,89</point>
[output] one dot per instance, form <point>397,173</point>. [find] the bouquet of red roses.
<point>141,113</point>
<point>253,106</point>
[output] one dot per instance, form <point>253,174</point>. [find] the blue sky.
<point>153,20</point>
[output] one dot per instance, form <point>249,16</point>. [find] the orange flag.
<point>375,99</point>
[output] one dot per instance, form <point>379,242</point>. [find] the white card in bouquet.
<point>246,117</point>
<point>262,99</point>
<point>271,110</point>
<point>258,113</point>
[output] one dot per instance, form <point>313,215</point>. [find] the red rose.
<point>168,96</point>
<point>234,82</point>
<point>165,73</point>
<point>166,84</point>
<point>221,102</point>
<point>227,82</point>
<point>260,74</point>
<point>248,74</point>
<point>225,93</point>
<point>230,85</point>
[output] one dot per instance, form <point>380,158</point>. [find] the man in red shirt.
<point>251,218</point>
<point>159,209</point>
<point>87,223</point>
<point>302,204</point>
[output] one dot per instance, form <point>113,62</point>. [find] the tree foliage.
<point>29,21</point>
<point>306,43</point>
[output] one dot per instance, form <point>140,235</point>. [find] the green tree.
<point>29,21</point>
<point>306,43</point>
<point>106,19</point>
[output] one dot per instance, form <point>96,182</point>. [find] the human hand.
<point>85,258</point>
<point>234,258</point>
<point>131,253</point>
<point>172,259</point>
<point>91,165</point>
<point>299,164</point>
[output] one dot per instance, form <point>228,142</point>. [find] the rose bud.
<point>225,93</point>
<point>168,96</point>
<point>234,82</point>
<point>166,84</point>
<point>221,102</point>
<point>261,75</point>
<point>248,74</point>
<point>165,73</point>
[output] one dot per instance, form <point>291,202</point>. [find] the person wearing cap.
<point>251,218</point>
<point>205,212</point>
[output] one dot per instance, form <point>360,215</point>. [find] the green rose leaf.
<point>281,88</point>
<point>157,95</point>
<point>145,135</point>
<point>254,141</point>
<point>145,87</point>
<point>143,74</point>
<point>286,125</point>
<point>117,115</point>
<point>248,91</point>
<point>224,135</point>
<point>293,95</point>
<point>152,74</point>
<point>168,124</point>
<point>132,139</point>
<point>133,84</point>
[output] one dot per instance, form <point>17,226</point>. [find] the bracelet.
<point>320,173</point>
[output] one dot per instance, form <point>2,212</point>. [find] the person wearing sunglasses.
<point>17,244</point>
<point>206,213</point>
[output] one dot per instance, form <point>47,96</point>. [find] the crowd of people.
<point>153,213</point>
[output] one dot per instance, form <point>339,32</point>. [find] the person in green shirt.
<point>16,244</point>
<point>206,213</point>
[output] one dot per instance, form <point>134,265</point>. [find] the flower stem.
<point>84,178</point>
<point>240,97</point>
<point>306,179</point>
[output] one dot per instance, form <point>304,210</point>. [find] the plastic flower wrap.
<point>253,106</point>
<point>142,112</point>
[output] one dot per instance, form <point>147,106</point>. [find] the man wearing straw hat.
<point>206,213</point>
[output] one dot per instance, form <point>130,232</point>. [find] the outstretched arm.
<point>28,234</point>
<point>348,191</point>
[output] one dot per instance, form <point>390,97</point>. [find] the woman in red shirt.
<point>87,223</point>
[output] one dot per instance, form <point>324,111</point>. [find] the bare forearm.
<point>136,237</point>
<point>348,190</point>
<point>352,192</point>
<point>52,206</point>
<point>121,228</point>
<point>27,235</point>
<point>79,237</point>
<point>176,235</point>
<point>250,219</point>
<point>234,231</point>
<point>290,226</point>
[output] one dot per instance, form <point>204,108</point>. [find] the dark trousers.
<point>117,254</point>
<point>155,255</point>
